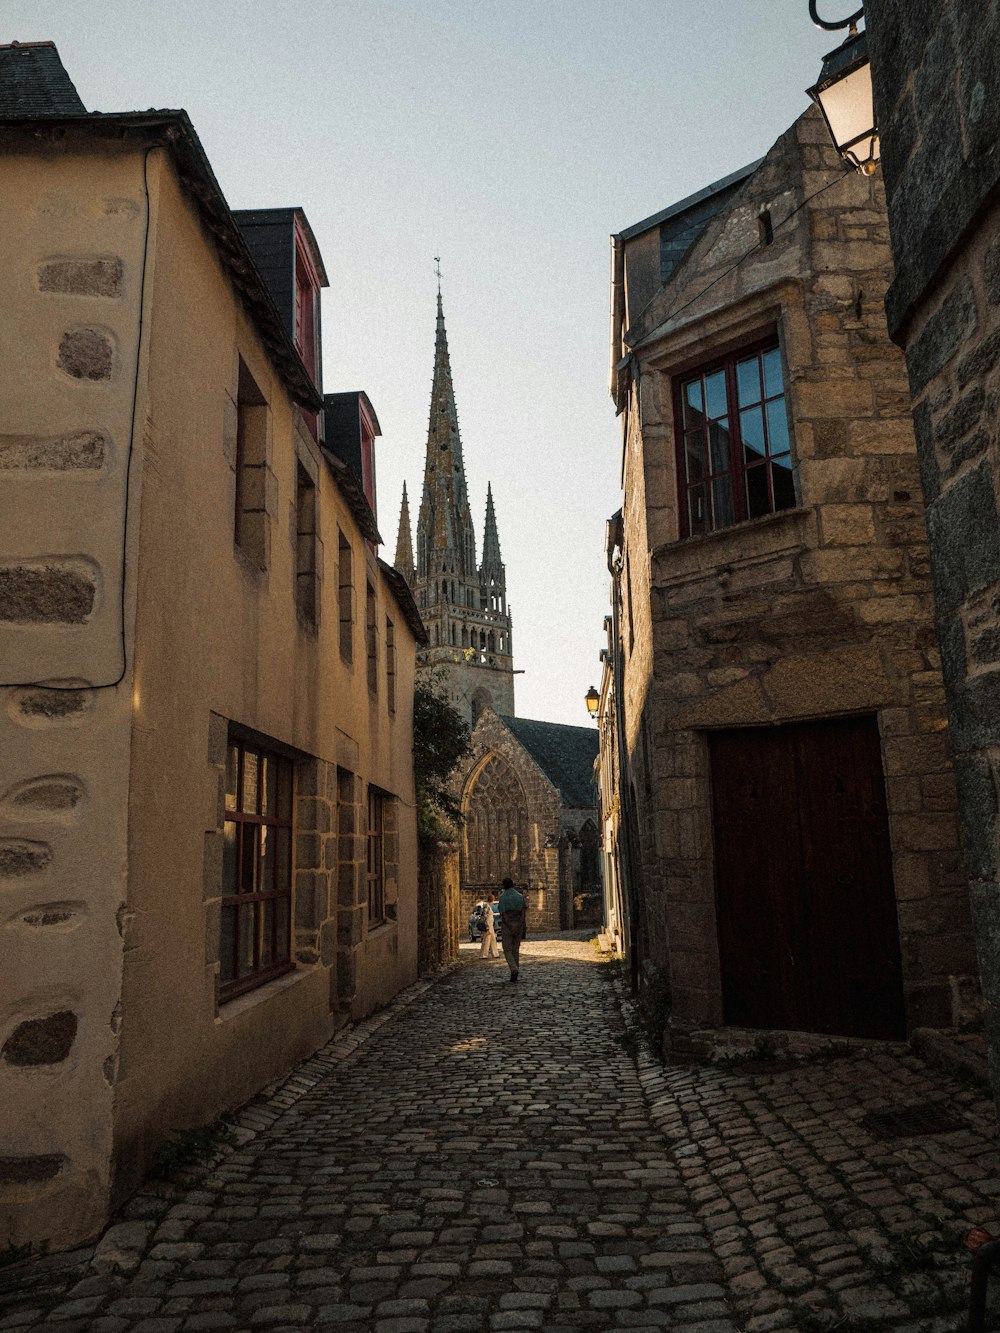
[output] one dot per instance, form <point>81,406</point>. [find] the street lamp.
<point>593,701</point>
<point>843,92</point>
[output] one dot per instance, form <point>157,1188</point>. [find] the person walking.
<point>489,949</point>
<point>513,925</point>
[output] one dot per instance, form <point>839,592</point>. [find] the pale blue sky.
<point>511,138</point>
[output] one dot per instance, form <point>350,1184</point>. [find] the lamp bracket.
<point>851,22</point>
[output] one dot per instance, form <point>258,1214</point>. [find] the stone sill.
<point>243,1003</point>
<point>785,533</point>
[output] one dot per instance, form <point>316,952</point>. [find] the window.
<point>371,638</point>
<point>254,943</point>
<point>345,565</point>
<point>390,664</point>
<point>733,448</point>
<point>376,857</point>
<point>250,519</point>
<point>305,545</point>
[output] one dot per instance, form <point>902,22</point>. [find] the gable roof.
<point>564,754</point>
<point>34,82</point>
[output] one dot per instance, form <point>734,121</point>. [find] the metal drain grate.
<point>905,1122</point>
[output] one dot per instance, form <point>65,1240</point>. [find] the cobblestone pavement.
<point>612,1193</point>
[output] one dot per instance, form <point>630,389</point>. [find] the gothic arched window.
<point>496,827</point>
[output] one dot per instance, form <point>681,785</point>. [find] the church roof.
<point>564,754</point>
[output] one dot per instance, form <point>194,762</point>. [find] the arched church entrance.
<point>495,844</point>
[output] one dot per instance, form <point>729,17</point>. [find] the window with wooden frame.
<point>255,932</point>
<point>376,857</point>
<point>250,518</point>
<point>734,459</point>
<point>345,594</point>
<point>306,599</point>
<point>390,664</point>
<point>371,638</point>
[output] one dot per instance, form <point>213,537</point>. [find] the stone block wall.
<point>817,611</point>
<point>440,924</point>
<point>934,76</point>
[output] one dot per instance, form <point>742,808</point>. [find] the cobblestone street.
<point>484,1156</point>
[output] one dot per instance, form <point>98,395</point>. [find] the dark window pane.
<point>723,515</point>
<point>777,427</point>
<point>281,910</point>
<point>267,933</point>
<point>752,432</point>
<point>227,945</point>
<point>228,858</point>
<point>284,880</point>
<point>284,789</point>
<point>267,858</point>
<point>247,930</point>
<point>773,382</point>
<point>696,509</point>
<point>232,775</point>
<point>781,480</point>
<point>248,857</point>
<point>249,802</point>
<point>718,434</point>
<point>694,452</point>
<point>748,381</point>
<point>715,394</point>
<point>268,784</point>
<point>757,497</point>
<point>691,397</point>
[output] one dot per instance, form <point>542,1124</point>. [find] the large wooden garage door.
<point>808,936</point>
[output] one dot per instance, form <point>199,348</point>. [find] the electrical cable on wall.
<point>111,684</point>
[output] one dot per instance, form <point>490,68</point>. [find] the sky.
<point>509,137</point>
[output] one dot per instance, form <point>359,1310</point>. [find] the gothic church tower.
<point>464,606</point>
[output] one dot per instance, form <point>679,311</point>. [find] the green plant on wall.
<point>440,742</point>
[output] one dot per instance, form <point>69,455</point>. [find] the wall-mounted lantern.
<point>843,92</point>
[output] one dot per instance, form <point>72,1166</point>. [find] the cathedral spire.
<point>404,542</point>
<point>445,537</point>
<point>492,560</point>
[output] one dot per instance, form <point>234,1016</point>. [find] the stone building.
<point>463,604</point>
<point>528,802</point>
<point>935,74</point>
<point>208,853</point>
<point>787,747</point>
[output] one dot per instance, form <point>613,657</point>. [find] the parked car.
<point>476,920</point>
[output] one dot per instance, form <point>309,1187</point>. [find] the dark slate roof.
<point>405,601</point>
<point>682,223</point>
<point>33,82</point>
<point>564,754</point>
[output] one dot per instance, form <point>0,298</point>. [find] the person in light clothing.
<point>489,949</point>
<point>513,925</point>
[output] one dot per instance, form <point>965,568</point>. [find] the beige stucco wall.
<point>110,871</point>
<point>63,755</point>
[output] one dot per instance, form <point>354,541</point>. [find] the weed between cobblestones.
<point>191,1148</point>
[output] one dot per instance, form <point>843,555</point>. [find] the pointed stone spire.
<point>463,606</point>
<point>492,561</point>
<point>445,537</point>
<point>404,542</point>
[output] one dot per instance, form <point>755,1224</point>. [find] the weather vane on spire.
<point>437,270</point>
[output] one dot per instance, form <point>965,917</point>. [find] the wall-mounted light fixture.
<point>843,92</point>
<point>593,701</point>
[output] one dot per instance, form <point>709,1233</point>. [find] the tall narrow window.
<point>733,447</point>
<point>390,665</point>
<point>305,545</point>
<point>371,638</point>
<point>345,574</point>
<point>250,518</point>
<point>255,937</point>
<point>376,857</point>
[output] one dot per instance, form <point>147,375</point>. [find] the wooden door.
<point>808,936</point>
